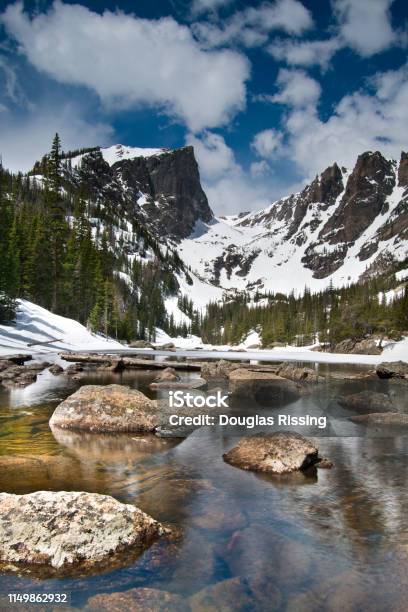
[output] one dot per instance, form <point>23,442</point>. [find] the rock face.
<point>367,400</point>
<point>65,530</point>
<point>111,408</point>
<point>173,199</point>
<point>397,369</point>
<point>277,453</point>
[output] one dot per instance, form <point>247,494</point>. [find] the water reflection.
<point>332,540</point>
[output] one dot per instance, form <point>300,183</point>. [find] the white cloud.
<point>305,53</point>
<point>130,62</point>
<point>266,143</point>
<point>25,140</point>
<point>297,89</point>
<point>374,120</point>
<point>215,158</point>
<point>205,6</point>
<point>365,25</point>
<point>259,168</point>
<point>12,88</point>
<point>228,187</point>
<point>251,27</point>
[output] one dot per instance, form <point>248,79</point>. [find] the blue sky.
<point>269,93</point>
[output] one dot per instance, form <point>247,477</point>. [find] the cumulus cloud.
<point>214,156</point>
<point>259,168</point>
<point>228,187</point>
<point>296,89</point>
<point>305,53</point>
<point>365,25</point>
<point>130,62</point>
<point>361,121</point>
<point>266,143</point>
<point>251,27</point>
<point>24,140</point>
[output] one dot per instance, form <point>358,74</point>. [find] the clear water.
<point>329,540</point>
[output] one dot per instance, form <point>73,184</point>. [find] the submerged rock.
<point>277,453</point>
<point>110,408</point>
<point>396,369</point>
<point>25,472</point>
<point>381,418</point>
<point>238,594</point>
<point>68,529</point>
<point>366,400</point>
<point>138,600</point>
<point>193,383</point>
<point>20,375</point>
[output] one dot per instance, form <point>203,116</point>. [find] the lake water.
<point>328,540</point>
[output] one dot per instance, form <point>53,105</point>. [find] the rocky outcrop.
<point>276,453</point>
<point>170,182</point>
<point>368,346</point>
<point>70,529</point>
<point>137,600</point>
<point>109,409</point>
<point>367,400</point>
<point>395,369</point>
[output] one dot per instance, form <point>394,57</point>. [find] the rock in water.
<point>138,600</point>
<point>68,529</point>
<point>110,408</point>
<point>397,369</point>
<point>366,400</point>
<point>168,374</point>
<point>382,418</point>
<point>277,453</point>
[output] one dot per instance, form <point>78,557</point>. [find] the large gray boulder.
<point>70,529</point>
<point>277,453</point>
<point>110,409</point>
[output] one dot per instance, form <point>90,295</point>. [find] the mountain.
<point>123,239</point>
<point>346,225</point>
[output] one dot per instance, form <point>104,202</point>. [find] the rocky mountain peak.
<point>403,170</point>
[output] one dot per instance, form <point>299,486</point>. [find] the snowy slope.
<point>290,245</point>
<point>119,152</point>
<point>36,324</point>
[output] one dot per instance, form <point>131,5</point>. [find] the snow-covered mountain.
<point>344,225</point>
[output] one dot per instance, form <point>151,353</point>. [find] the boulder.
<point>396,369</point>
<point>381,418</point>
<point>368,346</point>
<point>265,387</point>
<point>218,369</point>
<point>109,409</point>
<point>169,346</point>
<point>168,374</point>
<point>366,400</point>
<point>141,344</point>
<point>276,453</point>
<point>73,369</point>
<point>56,369</point>
<point>69,529</point>
<point>238,594</point>
<point>138,600</point>
<point>292,372</point>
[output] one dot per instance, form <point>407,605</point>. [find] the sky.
<point>269,93</point>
